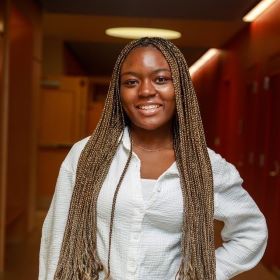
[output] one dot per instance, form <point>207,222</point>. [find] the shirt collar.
<point>126,139</point>
<point>126,144</point>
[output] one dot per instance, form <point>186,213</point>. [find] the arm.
<point>54,225</point>
<point>55,221</point>
<point>245,232</point>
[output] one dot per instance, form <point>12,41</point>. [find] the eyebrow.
<point>136,74</point>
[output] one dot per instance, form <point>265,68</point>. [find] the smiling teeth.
<point>148,107</point>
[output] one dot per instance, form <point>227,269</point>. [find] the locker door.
<point>250,136</point>
<point>251,131</point>
<point>62,123</point>
<point>222,116</point>
<point>272,173</point>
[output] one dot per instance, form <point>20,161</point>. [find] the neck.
<point>152,139</point>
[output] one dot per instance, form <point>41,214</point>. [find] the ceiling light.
<point>139,32</point>
<point>202,60</point>
<point>257,10</point>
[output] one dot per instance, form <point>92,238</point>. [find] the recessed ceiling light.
<point>202,60</point>
<point>139,32</point>
<point>257,10</point>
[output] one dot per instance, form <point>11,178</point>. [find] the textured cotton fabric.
<point>147,187</point>
<point>146,236</point>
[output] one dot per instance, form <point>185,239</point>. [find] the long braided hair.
<point>78,256</point>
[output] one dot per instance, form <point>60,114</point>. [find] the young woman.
<point>137,199</point>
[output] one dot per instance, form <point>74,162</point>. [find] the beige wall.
<point>52,57</point>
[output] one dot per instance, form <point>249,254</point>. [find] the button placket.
<point>136,227</point>
<point>156,191</point>
<point>134,243</point>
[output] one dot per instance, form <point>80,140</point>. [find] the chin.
<point>149,127</point>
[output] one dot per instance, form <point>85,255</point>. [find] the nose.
<point>147,88</point>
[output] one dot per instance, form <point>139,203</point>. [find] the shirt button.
<point>135,236</point>
<point>130,276</point>
<point>131,266</point>
<point>138,212</point>
<point>159,189</point>
<point>136,227</point>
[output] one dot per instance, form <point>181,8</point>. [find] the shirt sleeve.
<point>55,221</point>
<point>245,232</point>
<point>54,225</point>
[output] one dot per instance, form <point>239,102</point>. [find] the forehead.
<point>146,56</point>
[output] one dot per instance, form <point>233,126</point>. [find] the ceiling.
<point>81,24</point>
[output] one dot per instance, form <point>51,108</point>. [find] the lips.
<point>149,110</point>
<point>148,106</point>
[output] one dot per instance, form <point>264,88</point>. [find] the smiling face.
<point>147,91</point>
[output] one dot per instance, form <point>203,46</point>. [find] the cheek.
<point>167,92</point>
<point>170,96</point>
<point>126,101</point>
<point>172,103</point>
<point>124,98</point>
<point>173,108</point>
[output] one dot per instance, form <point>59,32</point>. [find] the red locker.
<point>271,171</point>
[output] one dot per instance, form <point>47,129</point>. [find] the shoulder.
<point>223,171</point>
<point>72,158</point>
<point>217,161</point>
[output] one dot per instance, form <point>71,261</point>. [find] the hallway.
<point>22,260</point>
<point>56,61</point>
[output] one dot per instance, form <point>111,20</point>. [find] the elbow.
<point>255,244</point>
<point>262,236</point>
<point>258,243</point>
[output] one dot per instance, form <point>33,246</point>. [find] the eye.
<point>162,80</point>
<point>130,83</point>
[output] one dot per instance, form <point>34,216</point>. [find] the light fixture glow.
<point>1,27</point>
<point>202,60</point>
<point>258,10</point>
<point>139,32</point>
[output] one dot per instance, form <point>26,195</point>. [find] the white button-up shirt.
<point>146,235</point>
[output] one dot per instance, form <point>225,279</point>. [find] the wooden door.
<point>62,123</point>
<point>97,95</point>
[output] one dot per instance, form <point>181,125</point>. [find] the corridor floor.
<point>22,260</point>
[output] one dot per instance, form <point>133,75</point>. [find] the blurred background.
<point>55,66</point>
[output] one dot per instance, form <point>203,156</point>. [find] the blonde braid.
<point>78,256</point>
